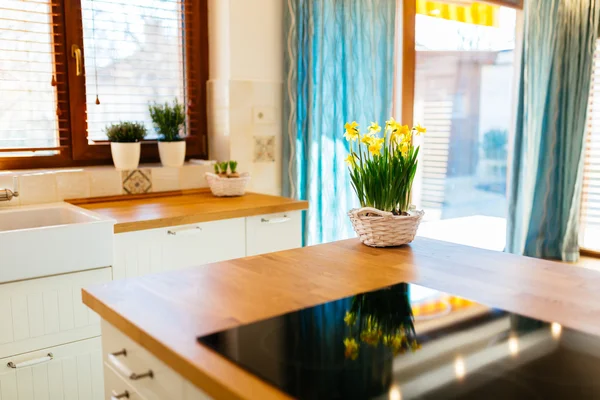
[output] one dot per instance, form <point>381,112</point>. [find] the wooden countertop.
<point>166,312</point>
<point>160,210</point>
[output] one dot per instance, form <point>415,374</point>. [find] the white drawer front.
<point>74,373</point>
<point>164,383</point>
<point>114,385</point>
<point>155,250</point>
<point>273,232</point>
<point>45,312</point>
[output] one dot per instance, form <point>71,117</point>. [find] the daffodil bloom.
<point>351,133</point>
<point>397,138</point>
<point>375,146</point>
<point>390,122</point>
<point>404,129</point>
<point>350,348</point>
<point>367,139</point>
<point>351,160</point>
<point>349,318</point>
<point>420,130</point>
<point>374,128</point>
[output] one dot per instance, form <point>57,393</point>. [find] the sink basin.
<point>52,239</point>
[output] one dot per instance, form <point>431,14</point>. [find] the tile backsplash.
<point>48,186</point>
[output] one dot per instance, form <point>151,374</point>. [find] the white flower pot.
<point>172,154</point>
<point>126,155</point>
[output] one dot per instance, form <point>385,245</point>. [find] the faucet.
<point>7,194</point>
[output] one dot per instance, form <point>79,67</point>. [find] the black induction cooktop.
<point>410,342</point>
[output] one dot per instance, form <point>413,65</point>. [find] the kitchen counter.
<point>165,313</point>
<point>159,210</point>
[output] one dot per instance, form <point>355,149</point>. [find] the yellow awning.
<point>474,13</point>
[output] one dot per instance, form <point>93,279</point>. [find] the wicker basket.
<point>226,187</point>
<point>377,228</point>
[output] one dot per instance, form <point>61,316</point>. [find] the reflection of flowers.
<point>351,348</point>
<point>384,316</point>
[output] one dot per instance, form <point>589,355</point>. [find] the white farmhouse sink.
<point>52,239</point>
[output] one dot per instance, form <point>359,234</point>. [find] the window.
<point>68,68</point>
<point>590,207</point>
<point>467,106</point>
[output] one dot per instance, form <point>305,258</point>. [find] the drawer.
<point>156,250</point>
<point>115,385</point>
<point>147,375</point>
<point>273,232</point>
<point>45,312</point>
<point>73,371</point>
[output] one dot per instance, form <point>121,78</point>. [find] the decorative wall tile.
<point>72,184</point>
<point>105,182</point>
<point>6,182</point>
<point>264,148</point>
<point>37,188</point>
<point>165,179</point>
<point>137,181</point>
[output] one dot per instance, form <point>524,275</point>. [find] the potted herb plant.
<point>382,170</point>
<point>168,121</point>
<point>125,143</point>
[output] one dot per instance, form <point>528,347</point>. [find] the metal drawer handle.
<point>115,396</point>
<point>184,231</point>
<point>279,220</point>
<point>29,363</point>
<point>112,358</point>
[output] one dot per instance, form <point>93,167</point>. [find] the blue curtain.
<point>339,66</point>
<point>547,167</point>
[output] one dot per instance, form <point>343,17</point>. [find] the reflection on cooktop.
<point>410,342</point>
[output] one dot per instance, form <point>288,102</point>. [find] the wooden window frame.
<point>71,94</point>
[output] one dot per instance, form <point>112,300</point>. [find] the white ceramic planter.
<point>172,154</point>
<point>126,155</point>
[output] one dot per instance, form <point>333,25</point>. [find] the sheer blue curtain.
<point>545,189</point>
<point>339,67</point>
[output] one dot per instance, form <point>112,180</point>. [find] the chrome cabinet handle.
<point>279,220</point>
<point>29,363</point>
<point>115,396</point>
<point>184,231</point>
<point>112,358</point>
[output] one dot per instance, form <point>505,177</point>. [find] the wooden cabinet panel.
<point>74,373</point>
<point>46,312</point>
<point>155,250</point>
<point>273,232</point>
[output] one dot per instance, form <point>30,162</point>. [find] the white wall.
<point>246,75</point>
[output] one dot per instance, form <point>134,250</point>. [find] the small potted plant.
<point>125,143</point>
<point>222,183</point>
<point>382,170</point>
<point>168,122</point>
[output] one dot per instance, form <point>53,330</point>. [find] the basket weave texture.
<point>227,187</point>
<point>378,228</point>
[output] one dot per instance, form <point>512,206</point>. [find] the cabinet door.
<point>69,372</point>
<point>44,312</point>
<point>273,232</point>
<point>155,250</point>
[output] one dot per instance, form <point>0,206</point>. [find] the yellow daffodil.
<point>374,128</point>
<point>352,132</point>
<point>350,318</point>
<point>404,148</point>
<point>375,146</point>
<point>367,139</point>
<point>350,348</point>
<point>403,129</point>
<point>420,130</point>
<point>397,138</point>
<point>351,160</point>
<point>390,123</point>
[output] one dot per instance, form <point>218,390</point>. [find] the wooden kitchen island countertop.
<point>160,210</point>
<point>166,312</point>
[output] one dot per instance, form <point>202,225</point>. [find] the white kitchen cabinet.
<point>273,232</point>
<point>129,367</point>
<point>155,250</point>
<point>69,372</point>
<point>45,312</point>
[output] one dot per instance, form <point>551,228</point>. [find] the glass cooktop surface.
<point>409,342</point>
